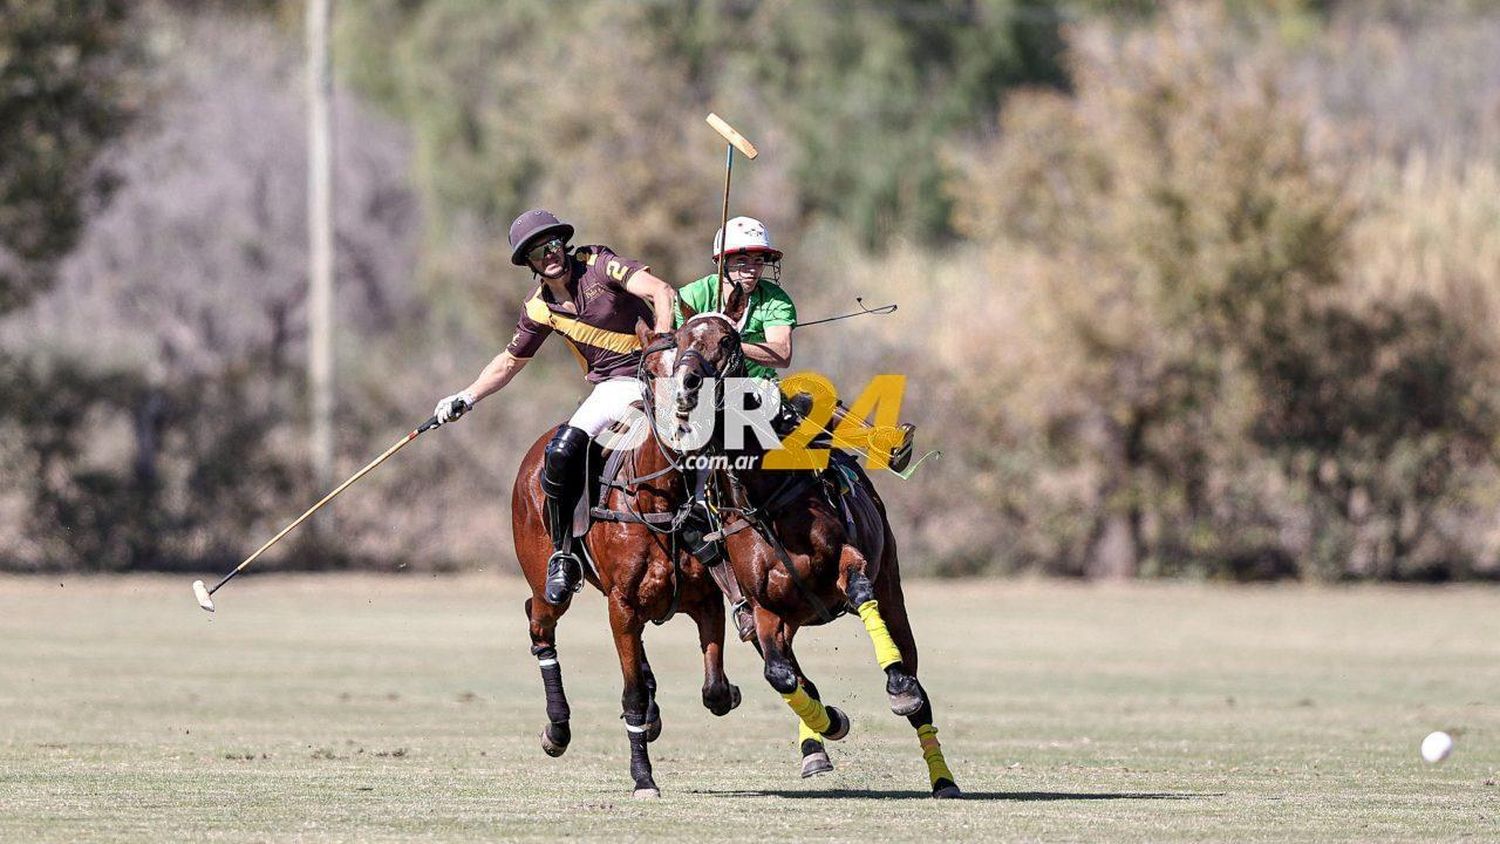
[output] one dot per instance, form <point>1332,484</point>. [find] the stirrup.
<point>901,454</point>
<point>744,620</point>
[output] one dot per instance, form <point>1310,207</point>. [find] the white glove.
<point>454,406</point>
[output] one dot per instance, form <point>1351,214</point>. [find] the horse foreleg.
<point>636,699</point>
<point>899,625</point>
<point>542,618</point>
<point>781,672</point>
<point>719,695</point>
<point>815,758</point>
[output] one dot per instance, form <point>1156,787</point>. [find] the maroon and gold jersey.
<point>601,330</point>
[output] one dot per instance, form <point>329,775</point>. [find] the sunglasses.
<point>538,252</point>
<point>742,262</point>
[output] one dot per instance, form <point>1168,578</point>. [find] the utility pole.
<point>320,234</point>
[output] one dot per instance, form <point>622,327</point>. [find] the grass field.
<point>363,708</point>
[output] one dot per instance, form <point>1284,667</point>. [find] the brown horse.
<point>799,562</point>
<point>644,575</point>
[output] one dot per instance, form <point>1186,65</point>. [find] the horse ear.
<point>685,309</point>
<point>642,332</point>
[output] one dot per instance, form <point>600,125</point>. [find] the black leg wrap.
<point>781,677</point>
<point>812,691</point>
<point>640,759</point>
<point>552,684</point>
<point>653,714</point>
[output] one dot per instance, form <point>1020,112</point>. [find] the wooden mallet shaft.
<point>747,149</point>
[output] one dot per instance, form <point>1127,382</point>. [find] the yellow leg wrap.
<point>886,652</point>
<point>812,713</point>
<point>805,732</point>
<point>932,752</point>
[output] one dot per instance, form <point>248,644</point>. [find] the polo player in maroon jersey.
<point>592,297</point>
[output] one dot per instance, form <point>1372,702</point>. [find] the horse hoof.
<point>903,690</point>
<point>906,702</point>
<point>651,793</point>
<point>734,697</point>
<point>838,724</point>
<point>816,763</point>
<point>550,747</point>
<point>653,730</point>
<point>945,790</point>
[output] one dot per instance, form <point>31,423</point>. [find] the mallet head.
<point>200,591</point>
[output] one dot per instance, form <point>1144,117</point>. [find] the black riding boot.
<point>562,483</point>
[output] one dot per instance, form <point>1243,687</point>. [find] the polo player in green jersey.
<point>593,298</point>
<point>754,265</point>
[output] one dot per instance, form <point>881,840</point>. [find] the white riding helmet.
<point>746,234</point>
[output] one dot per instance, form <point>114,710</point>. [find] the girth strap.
<point>606,515</point>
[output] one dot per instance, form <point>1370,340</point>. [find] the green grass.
<point>362,708</point>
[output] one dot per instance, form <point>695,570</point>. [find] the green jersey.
<point>770,306</point>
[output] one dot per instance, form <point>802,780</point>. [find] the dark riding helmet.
<point>530,227</point>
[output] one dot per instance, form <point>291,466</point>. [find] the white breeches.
<point>609,403</point>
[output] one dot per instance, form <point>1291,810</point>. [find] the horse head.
<point>706,348</point>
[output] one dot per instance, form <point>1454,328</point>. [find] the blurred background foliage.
<point>1187,289</point>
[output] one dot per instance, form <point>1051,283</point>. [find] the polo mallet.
<point>205,594</point>
<point>736,142</point>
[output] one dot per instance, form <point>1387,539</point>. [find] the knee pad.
<point>560,461</point>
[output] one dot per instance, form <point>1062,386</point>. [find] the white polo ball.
<point>1436,747</point>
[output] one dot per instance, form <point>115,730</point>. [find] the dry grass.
<point>361,708</point>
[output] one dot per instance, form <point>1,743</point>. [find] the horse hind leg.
<point>901,684</point>
<point>653,712</point>
<point>898,623</point>
<point>557,734</point>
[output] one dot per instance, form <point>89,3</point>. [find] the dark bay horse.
<point>799,563</point>
<point>644,576</point>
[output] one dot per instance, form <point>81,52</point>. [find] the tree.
<point>64,95</point>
